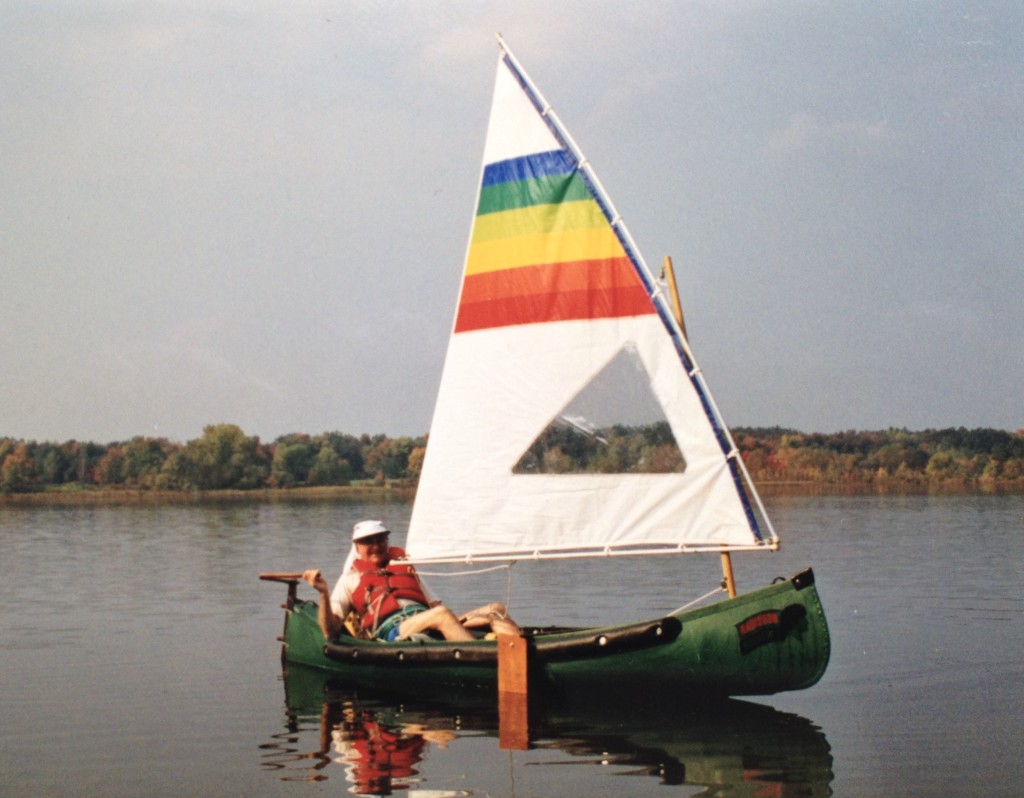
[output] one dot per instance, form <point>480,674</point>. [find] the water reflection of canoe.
<point>733,748</point>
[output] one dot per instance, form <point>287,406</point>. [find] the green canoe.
<point>766,641</point>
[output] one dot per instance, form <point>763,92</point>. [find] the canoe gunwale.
<point>580,644</point>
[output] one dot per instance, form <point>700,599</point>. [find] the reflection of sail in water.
<point>377,743</point>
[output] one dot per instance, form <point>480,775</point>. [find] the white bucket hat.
<point>366,529</point>
<point>363,529</point>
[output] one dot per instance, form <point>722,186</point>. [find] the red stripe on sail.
<point>593,289</point>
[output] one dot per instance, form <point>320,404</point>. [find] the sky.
<point>256,212</point>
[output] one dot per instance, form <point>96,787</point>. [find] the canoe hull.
<point>763,642</point>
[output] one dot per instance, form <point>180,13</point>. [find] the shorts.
<point>388,630</point>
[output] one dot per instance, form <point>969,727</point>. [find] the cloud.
<point>806,134</point>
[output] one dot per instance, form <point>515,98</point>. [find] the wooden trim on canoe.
<point>581,644</point>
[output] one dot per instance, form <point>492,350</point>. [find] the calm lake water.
<point>138,658</point>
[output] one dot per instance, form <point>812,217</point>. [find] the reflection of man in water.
<point>380,756</point>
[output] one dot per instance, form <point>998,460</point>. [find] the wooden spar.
<point>677,307</point>
<point>730,581</point>
<point>287,576</point>
<point>513,694</point>
<point>290,578</point>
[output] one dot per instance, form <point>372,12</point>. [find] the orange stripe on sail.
<point>552,292</point>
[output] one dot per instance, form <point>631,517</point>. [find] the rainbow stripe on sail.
<point>542,250</point>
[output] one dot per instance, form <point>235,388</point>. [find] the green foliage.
<point>390,458</point>
<point>894,456</point>
<point>348,448</point>
<point>52,463</point>
<point>144,459</point>
<point>565,449</point>
<point>224,457</point>
<point>294,457</point>
<point>329,469</point>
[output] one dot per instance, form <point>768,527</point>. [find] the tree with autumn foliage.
<point>17,468</point>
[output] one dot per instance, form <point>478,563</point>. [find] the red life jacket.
<point>379,589</point>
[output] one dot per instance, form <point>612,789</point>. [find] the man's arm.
<point>330,623</point>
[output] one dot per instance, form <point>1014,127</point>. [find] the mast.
<point>677,307</point>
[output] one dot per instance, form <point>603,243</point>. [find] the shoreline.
<point>406,492</point>
<point>137,496</point>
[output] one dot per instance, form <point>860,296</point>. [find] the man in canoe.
<point>388,597</point>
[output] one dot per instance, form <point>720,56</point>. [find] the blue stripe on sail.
<point>539,164</point>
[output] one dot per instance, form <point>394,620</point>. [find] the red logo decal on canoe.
<point>770,626</point>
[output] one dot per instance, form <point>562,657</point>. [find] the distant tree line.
<point>564,448</point>
<point>224,457</point>
<point>891,457</point>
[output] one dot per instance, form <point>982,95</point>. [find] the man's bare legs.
<point>438,617</point>
<point>443,620</point>
<point>494,615</point>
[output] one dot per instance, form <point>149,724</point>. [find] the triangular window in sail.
<point>614,425</point>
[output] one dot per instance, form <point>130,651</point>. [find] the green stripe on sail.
<point>547,190</point>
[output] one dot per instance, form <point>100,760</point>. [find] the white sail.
<point>553,292</point>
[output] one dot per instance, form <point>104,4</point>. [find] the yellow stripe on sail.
<point>557,247</point>
<point>580,215</point>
